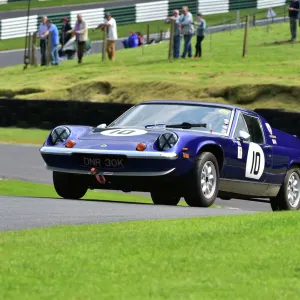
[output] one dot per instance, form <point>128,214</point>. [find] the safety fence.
<point>141,12</point>
<point>46,114</point>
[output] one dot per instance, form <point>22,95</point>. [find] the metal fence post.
<point>29,48</point>
<point>171,42</point>
<point>238,18</point>
<point>104,44</point>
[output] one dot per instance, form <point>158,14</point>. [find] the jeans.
<point>199,46</point>
<point>54,55</point>
<point>43,49</point>
<point>177,44</point>
<point>187,45</point>
<point>293,25</point>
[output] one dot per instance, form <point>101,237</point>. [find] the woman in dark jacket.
<point>64,37</point>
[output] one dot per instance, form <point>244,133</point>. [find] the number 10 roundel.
<point>255,162</point>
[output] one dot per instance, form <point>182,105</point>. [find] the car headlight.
<point>59,134</point>
<point>167,140</point>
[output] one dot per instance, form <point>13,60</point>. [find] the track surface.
<point>24,162</point>
<point>21,213</point>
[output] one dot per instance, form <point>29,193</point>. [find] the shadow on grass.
<point>279,43</point>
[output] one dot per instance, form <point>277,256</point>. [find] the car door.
<point>251,157</point>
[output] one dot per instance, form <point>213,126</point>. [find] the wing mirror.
<point>102,126</point>
<point>244,136</point>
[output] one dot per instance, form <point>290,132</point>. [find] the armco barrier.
<point>209,7</point>
<point>47,114</point>
<point>141,12</point>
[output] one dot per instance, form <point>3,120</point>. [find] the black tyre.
<point>164,198</point>
<point>203,184</point>
<point>69,186</point>
<point>288,197</point>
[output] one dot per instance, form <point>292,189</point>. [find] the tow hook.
<point>100,178</point>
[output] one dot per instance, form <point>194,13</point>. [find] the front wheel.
<point>203,184</point>
<point>69,186</point>
<point>288,197</point>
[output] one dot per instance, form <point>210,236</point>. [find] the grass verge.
<point>23,136</point>
<point>267,77</point>
<point>31,189</point>
<point>155,26</point>
<point>237,257</point>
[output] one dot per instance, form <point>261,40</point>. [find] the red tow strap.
<point>100,178</point>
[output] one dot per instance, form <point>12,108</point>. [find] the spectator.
<point>201,30</point>
<point>132,41</point>
<point>43,45</point>
<point>54,42</point>
<point>186,20</point>
<point>111,26</point>
<point>293,14</point>
<point>81,31</point>
<point>64,36</point>
<point>140,38</point>
<point>177,33</point>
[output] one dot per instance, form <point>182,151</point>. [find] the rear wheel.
<point>164,198</point>
<point>288,197</point>
<point>203,184</point>
<point>69,186</point>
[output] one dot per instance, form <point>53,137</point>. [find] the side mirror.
<point>102,126</point>
<point>244,136</point>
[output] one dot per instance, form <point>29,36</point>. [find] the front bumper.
<point>146,163</point>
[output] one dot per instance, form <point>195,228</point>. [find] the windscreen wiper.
<point>186,125</point>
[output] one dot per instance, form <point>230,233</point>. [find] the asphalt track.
<point>24,162</point>
<point>24,213</point>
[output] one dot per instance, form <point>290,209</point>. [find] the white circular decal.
<point>123,132</point>
<point>255,164</point>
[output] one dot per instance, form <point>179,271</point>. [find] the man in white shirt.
<point>111,26</point>
<point>43,40</point>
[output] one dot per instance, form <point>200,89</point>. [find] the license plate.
<point>102,162</point>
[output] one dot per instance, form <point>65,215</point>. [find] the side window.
<point>255,131</point>
<point>240,126</point>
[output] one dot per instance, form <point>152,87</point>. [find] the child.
<point>201,30</point>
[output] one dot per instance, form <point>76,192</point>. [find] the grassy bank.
<point>240,257</point>
<point>31,189</point>
<point>267,77</point>
<point>155,26</point>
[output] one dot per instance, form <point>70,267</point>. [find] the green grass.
<point>23,136</point>
<point>237,257</point>
<point>49,3</point>
<point>155,26</point>
<point>267,77</point>
<point>31,189</point>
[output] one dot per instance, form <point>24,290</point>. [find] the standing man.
<point>43,45</point>
<point>186,21</point>
<point>201,31</point>
<point>110,25</point>
<point>54,42</point>
<point>177,32</point>
<point>81,31</point>
<point>293,14</point>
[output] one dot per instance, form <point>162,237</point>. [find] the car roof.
<point>189,102</point>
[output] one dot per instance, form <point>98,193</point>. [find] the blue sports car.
<point>173,149</point>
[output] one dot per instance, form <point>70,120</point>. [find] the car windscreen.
<point>217,119</point>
